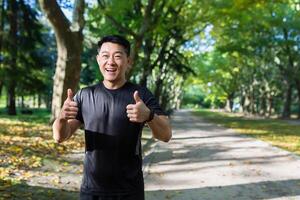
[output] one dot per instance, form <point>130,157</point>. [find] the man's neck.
<point>113,85</point>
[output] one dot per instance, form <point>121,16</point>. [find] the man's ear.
<point>97,58</point>
<point>130,63</point>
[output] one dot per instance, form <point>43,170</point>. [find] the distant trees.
<point>22,64</point>
<point>253,61</point>
<point>158,30</point>
<point>258,56</point>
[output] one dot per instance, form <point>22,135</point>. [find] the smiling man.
<point>113,113</point>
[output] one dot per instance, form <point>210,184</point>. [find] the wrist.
<point>151,115</point>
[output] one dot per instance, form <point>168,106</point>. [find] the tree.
<point>158,30</point>
<point>22,64</point>
<point>12,39</point>
<point>69,41</point>
<point>260,39</point>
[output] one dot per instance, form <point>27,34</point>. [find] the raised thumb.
<point>137,97</point>
<point>70,94</point>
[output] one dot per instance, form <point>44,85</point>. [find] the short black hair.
<point>118,39</point>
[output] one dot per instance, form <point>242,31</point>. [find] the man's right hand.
<point>70,108</point>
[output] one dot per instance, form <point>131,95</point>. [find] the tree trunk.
<point>229,102</point>
<point>245,102</point>
<point>47,100</point>
<point>269,106</point>
<point>286,113</point>
<point>39,100</point>
<point>227,106</point>
<point>298,90</point>
<point>69,39</point>
<point>13,28</point>
<point>289,77</point>
<point>178,94</point>
<point>11,109</point>
<point>252,101</point>
<point>1,25</point>
<point>22,102</point>
<point>146,62</point>
<point>159,82</point>
<point>1,87</point>
<point>263,104</point>
<point>158,88</point>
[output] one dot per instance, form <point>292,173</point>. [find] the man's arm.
<point>160,127</point>
<point>66,124</point>
<point>64,129</point>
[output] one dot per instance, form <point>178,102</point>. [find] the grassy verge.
<point>276,132</point>
<point>26,144</point>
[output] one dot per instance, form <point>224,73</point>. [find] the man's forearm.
<point>61,130</point>
<point>161,128</point>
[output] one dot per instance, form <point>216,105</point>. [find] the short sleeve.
<point>78,99</point>
<point>151,102</point>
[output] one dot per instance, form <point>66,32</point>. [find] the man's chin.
<point>112,80</point>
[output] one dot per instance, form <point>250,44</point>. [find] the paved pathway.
<point>206,161</point>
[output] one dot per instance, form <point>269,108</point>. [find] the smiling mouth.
<point>110,69</point>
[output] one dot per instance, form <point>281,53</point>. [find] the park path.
<point>206,161</point>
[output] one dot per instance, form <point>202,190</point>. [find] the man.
<point>113,113</point>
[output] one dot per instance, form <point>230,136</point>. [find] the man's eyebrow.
<point>121,52</point>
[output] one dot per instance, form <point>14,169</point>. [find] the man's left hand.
<point>137,112</point>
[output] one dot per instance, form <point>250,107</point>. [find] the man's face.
<point>113,62</point>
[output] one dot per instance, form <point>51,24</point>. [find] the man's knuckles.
<point>130,106</point>
<point>73,104</point>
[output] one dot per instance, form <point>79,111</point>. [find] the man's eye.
<point>104,56</point>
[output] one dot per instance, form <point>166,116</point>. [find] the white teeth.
<point>111,70</point>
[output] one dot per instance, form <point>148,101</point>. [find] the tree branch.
<point>55,15</point>
<point>120,26</point>
<point>78,18</point>
<point>147,18</point>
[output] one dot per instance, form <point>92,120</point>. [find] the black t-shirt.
<point>113,159</point>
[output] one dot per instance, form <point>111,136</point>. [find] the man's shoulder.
<point>133,85</point>
<point>90,88</point>
<point>137,86</point>
<point>144,92</point>
<point>86,91</point>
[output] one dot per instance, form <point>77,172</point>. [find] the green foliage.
<point>32,72</point>
<point>161,62</point>
<point>252,55</point>
<point>254,59</point>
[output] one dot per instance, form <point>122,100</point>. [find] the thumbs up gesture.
<point>137,112</point>
<point>69,109</point>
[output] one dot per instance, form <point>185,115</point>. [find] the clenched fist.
<point>69,109</point>
<point>137,112</point>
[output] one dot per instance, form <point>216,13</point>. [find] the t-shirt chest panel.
<point>106,113</point>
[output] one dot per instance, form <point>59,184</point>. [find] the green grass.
<point>27,148</point>
<point>277,132</point>
<point>38,116</point>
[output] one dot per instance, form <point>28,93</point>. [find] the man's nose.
<point>111,60</point>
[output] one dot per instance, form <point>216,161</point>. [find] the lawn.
<point>277,132</point>
<point>26,148</point>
